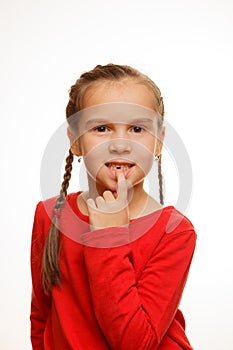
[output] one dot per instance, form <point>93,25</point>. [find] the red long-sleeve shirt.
<point>119,295</point>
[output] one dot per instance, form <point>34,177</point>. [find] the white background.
<point>186,47</point>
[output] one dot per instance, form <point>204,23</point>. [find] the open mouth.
<point>119,166</point>
<point>123,166</point>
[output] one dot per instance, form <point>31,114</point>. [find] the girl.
<point>109,265</point>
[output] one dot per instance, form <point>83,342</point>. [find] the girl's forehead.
<point>127,91</point>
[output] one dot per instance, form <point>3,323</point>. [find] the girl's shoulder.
<point>162,223</point>
<point>167,217</point>
<point>44,208</point>
<point>47,205</point>
<point>177,221</point>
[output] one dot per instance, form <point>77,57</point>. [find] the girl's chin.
<point>107,186</point>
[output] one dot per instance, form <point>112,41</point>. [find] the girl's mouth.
<point>125,167</point>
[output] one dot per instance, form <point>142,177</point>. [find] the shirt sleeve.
<point>40,303</point>
<point>136,313</point>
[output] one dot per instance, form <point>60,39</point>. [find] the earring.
<point>79,159</point>
<point>157,157</point>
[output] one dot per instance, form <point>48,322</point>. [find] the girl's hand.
<point>108,211</point>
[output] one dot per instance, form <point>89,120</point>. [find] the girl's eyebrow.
<point>98,121</point>
<point>142,121</point>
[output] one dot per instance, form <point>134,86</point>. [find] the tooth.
<point>118,166</point>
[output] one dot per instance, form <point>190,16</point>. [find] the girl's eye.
<point>137,129</point>
<point>101,128</point>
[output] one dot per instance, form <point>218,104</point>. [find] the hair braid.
<point>51,270</point>
<point>160,179</point>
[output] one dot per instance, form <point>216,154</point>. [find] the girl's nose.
<point>120,146</point>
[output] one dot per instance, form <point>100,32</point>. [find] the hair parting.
<point>106,73</point>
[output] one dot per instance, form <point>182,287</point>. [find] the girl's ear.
<point>160,140</point>
<point>74,144</point>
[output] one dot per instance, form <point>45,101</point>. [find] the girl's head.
<point>103,85</point>
<point>112,84</point>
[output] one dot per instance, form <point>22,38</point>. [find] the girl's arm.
<point>137,314</point>
<point>134,313</point>
<point>40,303</point>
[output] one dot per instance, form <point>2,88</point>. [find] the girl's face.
<point>117,129</point>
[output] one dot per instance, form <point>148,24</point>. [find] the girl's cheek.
<point>95,157</point>
<point>90,144</point>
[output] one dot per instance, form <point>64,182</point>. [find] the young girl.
<point>109,265</point>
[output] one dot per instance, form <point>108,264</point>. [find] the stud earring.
<point>157,157</point>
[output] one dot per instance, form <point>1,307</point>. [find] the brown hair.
<point>111,73</point>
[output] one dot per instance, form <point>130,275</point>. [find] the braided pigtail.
<point>160,179</point>
<point>51,270</point>
<point>160,125</point>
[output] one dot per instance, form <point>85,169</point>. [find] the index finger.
<point>122,189</point>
